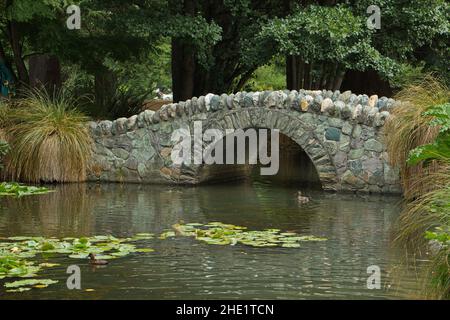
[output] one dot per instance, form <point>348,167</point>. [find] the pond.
<point>358,229</point>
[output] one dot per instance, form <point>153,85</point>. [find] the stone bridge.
<point>340,133</point>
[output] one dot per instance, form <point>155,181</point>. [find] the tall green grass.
<point>49,139</point>
<point>408,128</point>
<point>418,142</point>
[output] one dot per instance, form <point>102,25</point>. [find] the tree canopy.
<point>217,46</point>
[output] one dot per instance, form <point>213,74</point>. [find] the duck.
<point>96,262</point>
<point>302,199</point>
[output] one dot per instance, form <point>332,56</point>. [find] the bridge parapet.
<point>339,131</point>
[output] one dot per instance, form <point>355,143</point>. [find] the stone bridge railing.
<point>340,132</point>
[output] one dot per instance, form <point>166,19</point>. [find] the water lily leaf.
<point>29,282</point>
<point>167,234</point>
<point>120,254</point>
<point>144,235</point>
<point>48,265</point>
<point>18,290</point>
<point>290,245</point>
<point>20,238</point>
<point>144,250</point>
<point>79,256</point>
<point>105,257</point>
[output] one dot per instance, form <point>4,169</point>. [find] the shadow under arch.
<point>293,128</point>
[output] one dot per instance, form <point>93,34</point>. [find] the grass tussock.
<point>49,139</point>
<point>438,276</point>
<point>408,128</point>
<point>427,211</point>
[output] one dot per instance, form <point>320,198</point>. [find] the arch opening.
<point>295,166</point>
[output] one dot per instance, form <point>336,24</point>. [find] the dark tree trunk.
<point>183,62</point>
<point>7,62</point>
<point>105,89</point>
<point>338,79</point>
<point>45,71</point>
<point>366,82</point>
<point>183,71</point>
<point>14,38</point>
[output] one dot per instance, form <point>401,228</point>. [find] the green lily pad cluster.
<point>218,233</point>
<point>16,252</point>
<point>19,190</point>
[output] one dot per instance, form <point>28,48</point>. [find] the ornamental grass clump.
<point>49,139</point>
<point>408,127</point>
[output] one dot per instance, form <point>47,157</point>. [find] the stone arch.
<point>291,126</point>
<point>340,132</point>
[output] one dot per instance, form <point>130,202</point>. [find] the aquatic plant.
<point>16,252</point>
<point>409,127</point>
<point>219,233</point>
<point>19,190</point>
<point>49,139</point>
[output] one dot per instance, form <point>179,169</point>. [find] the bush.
<point>419,143</point>
<point>409,127</point>
<point>49,139</point>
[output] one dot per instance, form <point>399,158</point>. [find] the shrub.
<point>409,127</point>
<point>49,139</point>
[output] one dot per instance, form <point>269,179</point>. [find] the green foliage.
<point>428,215</point>
<point>15,253</point>
<point>332,34</point>
<point>406,75</point>
<point>441,235</point>
<point>18,190</point>
<point>218,233</point>
<point>268,77</point>
<point>26,10</point>
<point>440,148</point>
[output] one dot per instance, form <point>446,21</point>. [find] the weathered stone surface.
<point>333,134</point>
<point>355,154</point>
<point>373,100</point>
<point>347,128</point>
<point>373,145</point>
<point>340,132</point>
<point>327,105</point>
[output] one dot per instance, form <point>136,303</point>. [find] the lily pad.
<point>29,282</point>
<point>218,233</point>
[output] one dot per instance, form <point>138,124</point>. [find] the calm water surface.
<point>358,229</point>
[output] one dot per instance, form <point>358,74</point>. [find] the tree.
<point>325,39</point>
